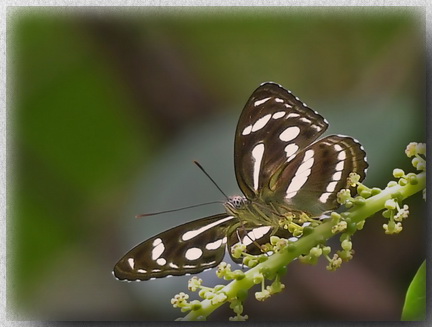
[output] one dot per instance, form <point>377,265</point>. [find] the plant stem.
<point>320,234</point>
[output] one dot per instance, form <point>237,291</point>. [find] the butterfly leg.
<point>247,235</point>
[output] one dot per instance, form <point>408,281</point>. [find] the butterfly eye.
<point>237,202</point>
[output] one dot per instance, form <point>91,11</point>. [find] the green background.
<point>107,108</point>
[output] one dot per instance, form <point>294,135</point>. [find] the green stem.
<point>320,234</point>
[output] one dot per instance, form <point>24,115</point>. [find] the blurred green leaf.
<point>415,301</point>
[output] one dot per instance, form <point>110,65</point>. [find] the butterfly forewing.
<point>186,249</point>
<point>273,126</point>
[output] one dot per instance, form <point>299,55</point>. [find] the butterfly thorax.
<point>257,212</point>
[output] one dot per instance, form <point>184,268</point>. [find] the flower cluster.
<point>394,211</point>
<point>345,198</point>
<point>295,223</point>
<point>395,214</point>
<point>276,286</point>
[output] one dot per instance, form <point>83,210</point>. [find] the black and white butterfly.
<point>280,167</point>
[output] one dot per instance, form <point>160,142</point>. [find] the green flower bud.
<point>402,182</point>
<point>398,173</point>
<point>274,239</point>
<point>359,201</point>
<point>421,148</point>
<point>326,250</point>
<point>376,191</point>
<point>365,193</point>
<point>413,179</point>
<point>263,295</point>
<point>411,149</point>
<point>238,275</point>
<point>258,278</point>
<point>346,245</point>
<point>421,166</point>
<point>390,204</point>
<point>316,251</point>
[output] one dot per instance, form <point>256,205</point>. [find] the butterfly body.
<point>283,170</point>
<point>257,213</point>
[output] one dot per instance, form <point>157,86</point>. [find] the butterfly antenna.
<point>202,169</point>
<point>173,210</point>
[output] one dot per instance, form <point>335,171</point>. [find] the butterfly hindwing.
<point>186,249</point>
<point>273,125</point>
<point>311,179</point>
<point>253,237</point>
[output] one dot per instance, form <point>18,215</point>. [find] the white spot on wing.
<point>340,166</point>
<point>255,234</point>
<point>214,245</point>
<point>193,253</point>
<point>246,240</point>
<point>260,123</point>
<point>324,197</point>
<point>131,262</point>
<point>257,154</point>
<point>337,147</point>
<point>157,241</point>
<point>158,250</point>
<point>341,155</point>
<point>289,134</point>
<point>247,130</point>
<point>279,100</point>
<point>293,115</point>
<point>278,114</point>
<point>291,158</point>
<point>331,186</point>
<point>290,149</point>
<point>301,175</point>
<point>193,233</point>
<point>161,261</point>
<point>337,176</point>
<point>259,102</point>
<point>305,120</point>
<point>308,154</point>
<point>296,183</point>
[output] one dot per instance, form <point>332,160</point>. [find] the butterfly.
<point>281,167</point>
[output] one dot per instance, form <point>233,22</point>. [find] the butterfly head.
<point>236,203</point>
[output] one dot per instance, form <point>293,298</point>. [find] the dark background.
<point>107,108</point>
